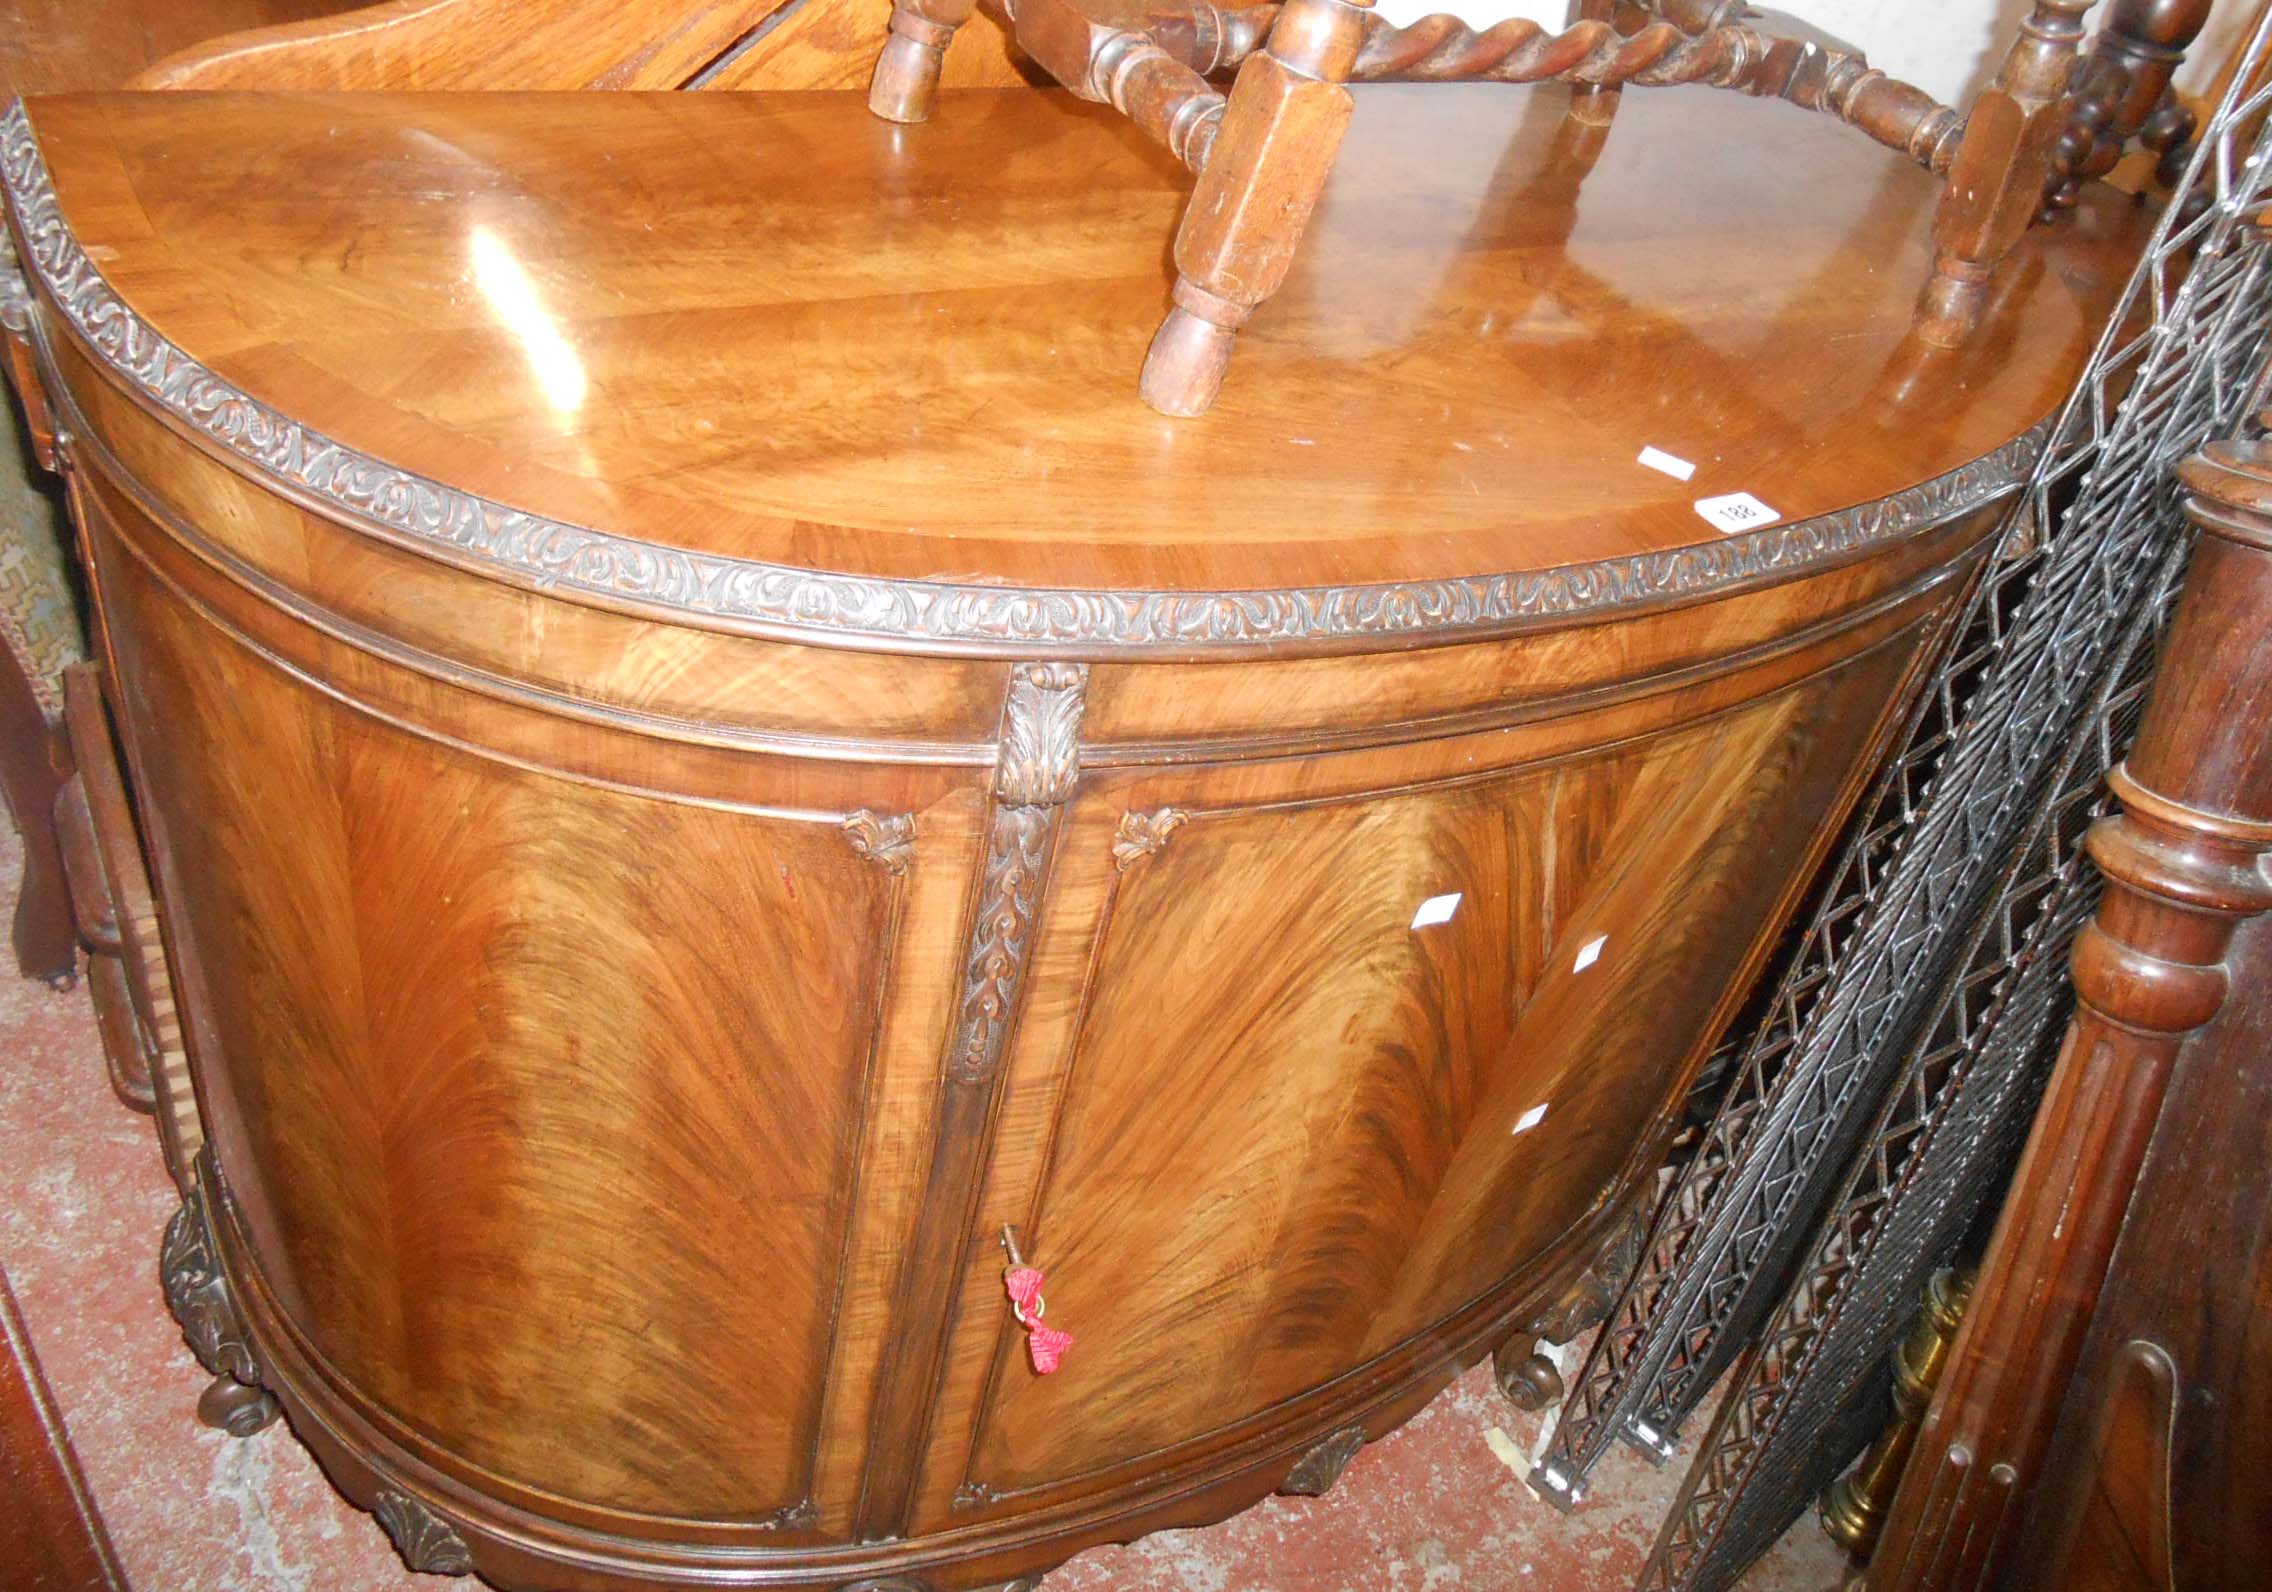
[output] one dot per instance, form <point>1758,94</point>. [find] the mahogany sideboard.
<point>693,767</point>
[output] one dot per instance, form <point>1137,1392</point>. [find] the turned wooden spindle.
<point>2122,91</point>
<point>2185,867</point>
<point>1593,103</point>
<point>906,81</point>
<point>1997,180</point>
<point>1279,135</point>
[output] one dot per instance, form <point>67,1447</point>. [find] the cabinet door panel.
<point>539,1100</point>
<point>1482,1002</point>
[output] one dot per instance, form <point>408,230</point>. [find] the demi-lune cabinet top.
<point>779,365</point>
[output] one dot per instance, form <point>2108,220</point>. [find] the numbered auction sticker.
<point>1738,511</point>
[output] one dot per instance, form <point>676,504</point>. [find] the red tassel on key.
<point>1046,1345</point>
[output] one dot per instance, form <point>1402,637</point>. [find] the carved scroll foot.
<point>1530,1380</point>
<point>1191,352</point>
<point>228,1405</point>
<point>189,1269</point>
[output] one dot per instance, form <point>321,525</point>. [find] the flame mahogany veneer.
<point>699,757</point>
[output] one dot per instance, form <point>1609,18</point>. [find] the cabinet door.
<point>1347,1066</point>
<point>539,1088</point>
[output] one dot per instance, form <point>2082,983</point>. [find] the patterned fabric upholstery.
<point>39,617</point>
<point>39,612</point>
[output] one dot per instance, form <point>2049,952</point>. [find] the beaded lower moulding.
<point>721,911</point>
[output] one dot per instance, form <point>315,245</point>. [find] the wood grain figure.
<point>693,764</point>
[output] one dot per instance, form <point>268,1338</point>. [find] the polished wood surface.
<point>626,1025</point>
<point>2157,999</point>
<point>68,46</point>
<point>51,1534</point>
<point>73,46</point>
<point>473,44</point>
<point>766,326</point>
<point>2160,1456</point>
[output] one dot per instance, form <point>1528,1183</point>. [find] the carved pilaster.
<point>1036,764</point>
<point>189,1270</point>
<point>428,1544</point>
<point>1034,773</point>
<point>1315,1472</point>
<point>2185,867</point>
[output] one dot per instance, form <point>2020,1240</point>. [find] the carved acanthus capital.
<point>425,1540</point>
<point>887,839</point>
<point>1041,734</point>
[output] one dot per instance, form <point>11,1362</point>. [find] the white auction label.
<point>1738,511</point>
<point>1671,464</point>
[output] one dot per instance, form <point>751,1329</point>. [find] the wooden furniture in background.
<point>2102,1420</point>
<point>51,1534</point>
<point>1262,152</point>
<point>698,767</point>
<point>2122,93</point>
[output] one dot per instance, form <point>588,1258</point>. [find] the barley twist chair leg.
<point>906,82</point>
<point>1593,104</point>
<point>1281,130</point>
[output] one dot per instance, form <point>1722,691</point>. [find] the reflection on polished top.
<point>775,328</point>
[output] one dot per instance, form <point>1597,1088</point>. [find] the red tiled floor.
<point>83,1202</point>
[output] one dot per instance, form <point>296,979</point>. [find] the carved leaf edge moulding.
<point>815,605</point>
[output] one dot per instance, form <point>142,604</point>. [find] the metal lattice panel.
<point>1813,1388</point>
<point>1944,881</point>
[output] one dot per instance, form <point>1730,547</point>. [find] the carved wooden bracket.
<point>428,1544</point>
<point>1315,1472</point>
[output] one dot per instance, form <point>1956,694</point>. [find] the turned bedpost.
<point>1280,131</point>
<point>1997,180</point>
<point>2185,867</point>
<point>906,81</point>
